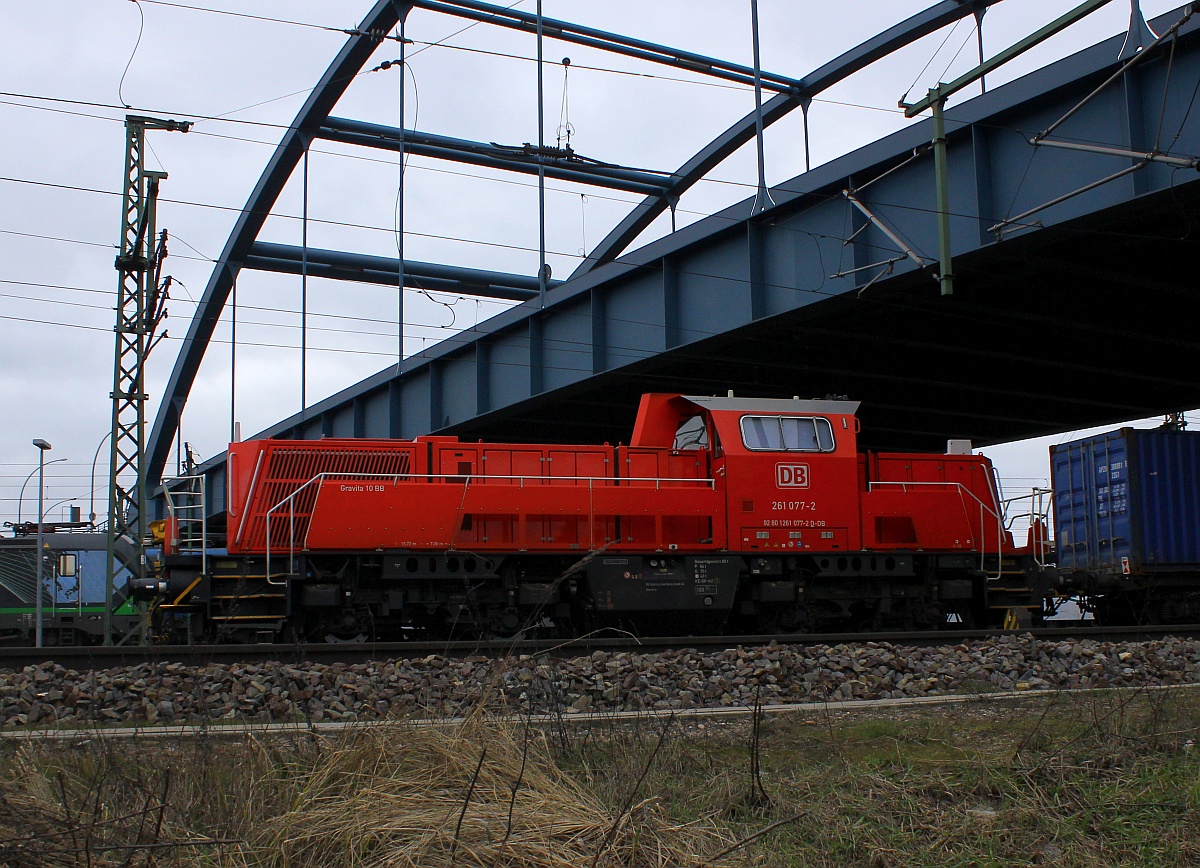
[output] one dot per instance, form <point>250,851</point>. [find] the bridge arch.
<point>314,120</point>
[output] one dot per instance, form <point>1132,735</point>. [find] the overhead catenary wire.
<point>583,348</point>
<point>787,287</point>
<point>350,31</point>
<point>344,155</point>
<point>816,291</point>
<point>273,309</point>
<point>356,332</point>
<point>950,121</point>
<point>442,44</point>
<point>137,44</point>
<point>353,31</point>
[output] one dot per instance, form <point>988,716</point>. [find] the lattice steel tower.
<point>140,308</point>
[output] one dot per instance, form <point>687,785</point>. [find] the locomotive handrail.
<point>184,497</point>
<point>983,507</point>
<point>1041,501</point>
<point>396,478</point>
<point>291,501</point>
<point>405,477</point>
<point>249,494</point>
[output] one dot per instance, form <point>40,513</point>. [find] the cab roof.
<point>775,405</point>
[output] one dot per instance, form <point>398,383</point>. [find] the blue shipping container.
<point>1128,502</point>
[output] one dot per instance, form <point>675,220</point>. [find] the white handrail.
<point>190,489</point>
<point>453,475</point>
<point>983,507</point>
<point>1041,502</point>
<point>396,478</point>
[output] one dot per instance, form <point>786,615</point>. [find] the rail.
<point>84,658</point>
<point>396,478</point>
<point>983,508</point>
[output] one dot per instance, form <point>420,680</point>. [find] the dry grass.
<point>1068,779</point>
<point>1072,780</point>
<point>99,804</point>
<point>477,794</point>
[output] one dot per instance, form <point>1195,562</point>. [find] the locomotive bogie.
<point>396,595</point>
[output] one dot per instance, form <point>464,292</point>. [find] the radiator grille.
<point>287,467</point>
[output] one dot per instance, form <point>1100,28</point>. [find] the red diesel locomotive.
<point>721,513</point>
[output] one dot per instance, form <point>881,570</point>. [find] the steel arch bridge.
<point>1070,265</point>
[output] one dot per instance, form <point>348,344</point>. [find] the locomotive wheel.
<point>786,619</point>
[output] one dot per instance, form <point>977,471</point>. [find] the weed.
<point>1064,779</point>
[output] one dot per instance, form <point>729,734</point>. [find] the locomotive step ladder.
<point>1012,593</point>
<point>248,598</point>
<point>185,500</point>
<point>1012,590</point>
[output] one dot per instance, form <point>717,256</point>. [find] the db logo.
<point>791,475</point>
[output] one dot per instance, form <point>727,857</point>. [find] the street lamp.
<point>50,509</point>
<point>43,446</point>
<point>95,458</point>
<point>21,498</point>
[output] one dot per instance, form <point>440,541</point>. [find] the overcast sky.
<point>69,67</point>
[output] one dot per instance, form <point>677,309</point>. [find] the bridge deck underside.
<point>1074,326</point>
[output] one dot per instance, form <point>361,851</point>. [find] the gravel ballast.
<point>50,694</point>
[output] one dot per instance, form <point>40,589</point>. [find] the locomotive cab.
<point>788,468</point>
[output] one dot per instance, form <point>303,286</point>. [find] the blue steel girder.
<point>566,31</point>
<point>493,156</point>
<point>779,106</point>
<point>314,115</point>
<point>729,274</point>
<point>362,268</point>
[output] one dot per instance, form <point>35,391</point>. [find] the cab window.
<point>787,434</point>
<point>692,434</point>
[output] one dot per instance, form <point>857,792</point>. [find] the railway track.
<point>95,657</point>
<point>249,729</point>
